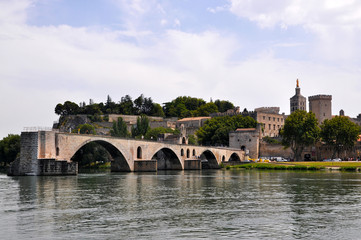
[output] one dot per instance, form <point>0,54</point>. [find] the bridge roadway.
<point>51,153</point>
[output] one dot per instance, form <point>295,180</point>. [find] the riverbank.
<point>343,166</point>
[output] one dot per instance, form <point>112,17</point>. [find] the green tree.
<point>300,130</point>
<point>93,109</point>
<point>68,108</point>
<point>110,106</point>
<point>339,133</point>
<point>157,110</point>
<point>126,105</point>
<point>182,106</point>
<point>215,131</point>
<point>85,129</point>
<point>91,155</point>
<point>205,110</point>
<point>192,140</point>
<point>119,129</point>
<point>152,134</point>
<point>223,106</point>
<point>142,126</point>
<point>9,148</point>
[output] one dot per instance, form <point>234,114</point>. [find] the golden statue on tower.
<point>298,84</point>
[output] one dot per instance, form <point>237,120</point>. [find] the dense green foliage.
<point>9,148</point>
<point>215,131</point>
<point>192,140</point>
<point>272,166</point>
<point>270,140</point>
<point>91,155</point>
<point>339,133</point>
<point>300,130</point>
<point>153,133</point>
<point>223,106</point>
<point>141,105</point>
<point>142,127</point>
<point>180,107</point>
<point>119,129</point>
<point>85,129</point>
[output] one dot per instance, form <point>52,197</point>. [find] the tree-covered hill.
<point>183,106</point>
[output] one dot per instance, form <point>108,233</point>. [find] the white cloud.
<point>177,23</point>
<point>42,66</point>
<point>336,24</point>
<point>14,12</point>
<point>217,9</point>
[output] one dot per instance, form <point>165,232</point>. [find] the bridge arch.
<point>234,158</point>
<point>209,160</point>
<point>167,159</point>
<point>118,162</point>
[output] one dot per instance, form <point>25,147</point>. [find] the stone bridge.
<point>51,153</point>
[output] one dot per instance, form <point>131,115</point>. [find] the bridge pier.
<point>194,164</point>
<point>145,165</point>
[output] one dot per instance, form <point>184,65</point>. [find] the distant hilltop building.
<point>298,102</point>
<point>270,118</point>
<point>320,105</point>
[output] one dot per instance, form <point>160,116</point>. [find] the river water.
<point>213,204</point>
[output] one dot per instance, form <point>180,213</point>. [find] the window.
<point>139,152</point>
<point>274,126</point>
<point>182,152</point>
<point>194,152</point>
<point>269,118</point>
<point>264,117</point>
<point>274,119</point>
<point>269,126</point>
<point>187,153</point>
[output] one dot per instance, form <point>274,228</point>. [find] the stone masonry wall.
<point>29,153</point>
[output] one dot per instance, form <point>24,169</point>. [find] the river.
<point>212,204</point>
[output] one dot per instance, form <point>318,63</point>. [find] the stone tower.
<point>320,105</point>
<point>298,102</point>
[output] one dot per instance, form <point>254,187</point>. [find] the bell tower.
<point>297,102</point>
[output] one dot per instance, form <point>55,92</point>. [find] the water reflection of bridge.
<point>50,152</point>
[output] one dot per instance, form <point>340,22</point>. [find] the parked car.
<point>281,159</point>
<point>336,160</point>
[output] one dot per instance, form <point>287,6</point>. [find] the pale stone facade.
<point>271,120</point>
<point>321,106</point>
<point>192,124</point>
<point>246,139</point>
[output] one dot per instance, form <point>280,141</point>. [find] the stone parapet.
<point>319,97</point>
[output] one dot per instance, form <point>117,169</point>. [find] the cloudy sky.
<point>247,52</point>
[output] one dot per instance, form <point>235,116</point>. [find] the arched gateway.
<point>51,153</point>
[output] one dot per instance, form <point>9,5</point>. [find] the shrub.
<point>351,169</point>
